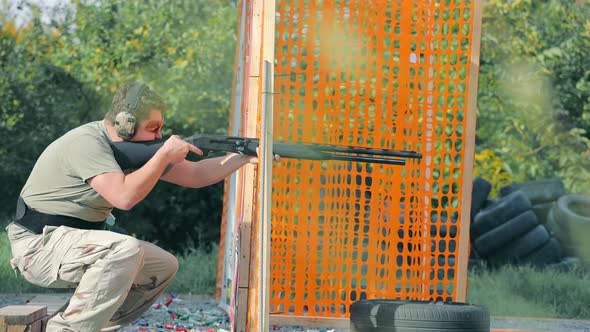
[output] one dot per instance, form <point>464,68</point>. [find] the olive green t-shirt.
<point>57,185</point>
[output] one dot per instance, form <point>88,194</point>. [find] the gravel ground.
<point>198,313</point>
<point>178,313</point>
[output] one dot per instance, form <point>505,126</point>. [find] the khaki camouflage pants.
<point>116,276</point>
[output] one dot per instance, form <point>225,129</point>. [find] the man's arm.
<point>207,171</point>
<point>125,191</point>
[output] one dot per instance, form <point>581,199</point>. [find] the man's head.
<point>136,112</point>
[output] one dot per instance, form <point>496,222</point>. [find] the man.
<point>57,239</point>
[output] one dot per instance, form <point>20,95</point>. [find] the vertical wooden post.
<point>264,185</point>
<point>249,173</point>
<point>463,252</point>
<point>252,311</point>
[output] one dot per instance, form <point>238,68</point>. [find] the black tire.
<point>548,253</point>
<point>521,247</point>
<point>406,316</point>
<point>507,208</point>
<point>538,191</point>
<point>491,201</point>
<point>473,252</point>
<point>505,233</point>
<point>567,264</point>
<point>542,211</point>
<point>479,194</point>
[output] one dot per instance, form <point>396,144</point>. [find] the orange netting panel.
<point>384,74</point>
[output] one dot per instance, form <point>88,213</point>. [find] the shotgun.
<point>133,155</point>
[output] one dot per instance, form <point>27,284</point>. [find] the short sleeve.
<point>88,156</point>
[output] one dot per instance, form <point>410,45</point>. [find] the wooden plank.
<point>265,189</point>
<point>36,326</point>
<point>17,328</point>
<point>22,314</point>
<point>249,129</point>
<point>231,195</point>
<point>55,303</point>
<point>245,229</point>
<point>242,318</point>
<point>291,320</point>
<point>510,330</point>
<point>543,319</point>
<point>463,254</point>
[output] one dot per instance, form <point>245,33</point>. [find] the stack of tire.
<point>510,229</point>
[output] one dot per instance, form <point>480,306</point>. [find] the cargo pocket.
<point>77,261</point>
<point>38,268</point>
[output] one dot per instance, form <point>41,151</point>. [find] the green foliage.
<point>527,292</point>
<point>185,50</point>
<point>40,102</point>
<point>58,76</point>
<point>533,89</point>
<point>197,273</point>
<point>490,167</point>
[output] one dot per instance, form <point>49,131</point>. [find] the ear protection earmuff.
<point>126,122</point>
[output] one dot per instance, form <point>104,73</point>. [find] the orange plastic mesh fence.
<point>386,74</point>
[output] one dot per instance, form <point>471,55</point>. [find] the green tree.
<point>40,101</point>
<point>60,75</point>
<point>533,92</point>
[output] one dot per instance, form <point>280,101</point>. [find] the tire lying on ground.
<point>572,216</point>
<point>549,253</point>
<point>558,232</point>
<point>407,315</point>
<point>537,191</point>
<point>505,233</point>
<point>505,209</point>
<point>518,250</point>
<point>566,264</point>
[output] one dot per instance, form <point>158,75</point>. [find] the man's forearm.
<point>138,184</point>
<point>207,171</point>
<point>212,170</point>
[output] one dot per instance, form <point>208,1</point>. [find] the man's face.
<point>149,129</point>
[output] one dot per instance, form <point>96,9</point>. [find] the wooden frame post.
<point>463,253</point>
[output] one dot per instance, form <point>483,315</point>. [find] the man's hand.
<point>175,149</point>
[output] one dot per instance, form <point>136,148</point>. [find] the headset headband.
<point>133,96</point>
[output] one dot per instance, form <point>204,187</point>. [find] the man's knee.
<point>129,248</point>
<point>171,264</point>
